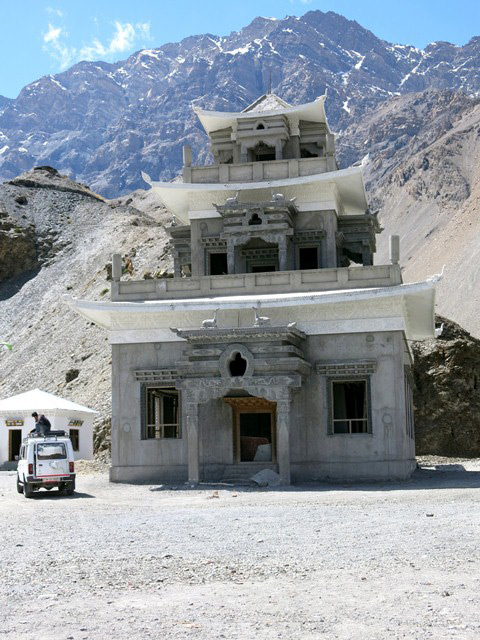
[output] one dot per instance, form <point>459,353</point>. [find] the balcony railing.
<point>307,280</point>
<point>258,171</point>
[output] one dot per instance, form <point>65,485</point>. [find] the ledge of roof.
<point>310,111</point>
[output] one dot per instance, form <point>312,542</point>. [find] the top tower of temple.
<point>270,129</point>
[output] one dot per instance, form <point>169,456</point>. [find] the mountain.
<point>423,173</point>
<point>103,123</point>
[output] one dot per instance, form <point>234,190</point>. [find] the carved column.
<point>278,150</point>
<point>193,444</point>
<point>230,256</point>
<point>283,438</point>
<point>177,270</point>
<point>282,253</point>
<point>243,153</point>
<point>366,254</point>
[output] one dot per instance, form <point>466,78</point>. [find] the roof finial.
<point>269,80</point>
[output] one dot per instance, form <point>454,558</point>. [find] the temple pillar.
<point>366,254</point>
<point>230,257</point>
<point>177,269</point>
<point>278,150</point>
<point>282,254</point>
<point>283,439</point>
<point>193,444</point>
<point>243,153</point>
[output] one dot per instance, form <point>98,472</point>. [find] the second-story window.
<point>308,257</point>
<point>263,152</point>
<point>217,263</point>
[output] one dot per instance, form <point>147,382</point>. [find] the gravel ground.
<point>393,560</point>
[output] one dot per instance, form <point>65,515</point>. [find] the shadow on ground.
<point>448,476</point>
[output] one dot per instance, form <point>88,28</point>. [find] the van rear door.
<point>51,460</point>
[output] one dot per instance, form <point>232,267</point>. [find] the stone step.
<point>8,466</point>
<point>243,472</point>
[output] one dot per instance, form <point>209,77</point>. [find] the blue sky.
<point>47,36</point>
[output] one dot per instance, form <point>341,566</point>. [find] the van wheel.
<point>28,490</point>
<point>19,485</point>
<point>70,488</point>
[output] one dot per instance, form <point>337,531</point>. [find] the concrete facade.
<point>278,344</point>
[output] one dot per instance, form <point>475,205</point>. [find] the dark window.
<point>262,152</point>
<point>255,219</point>
<point>162,414</point>
<point>350,406</point>
<point>308,257</point>
<point>306,153</point>
<point>218,264</point>
<point>75,438</point>
<point>238,366</point>
<point>260,126</point>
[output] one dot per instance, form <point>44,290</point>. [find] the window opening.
<point>218,264</point>
<point>306,153</point>
<point>308,257</point>
<point>75,438</point>
<point>238,366</point>
<point>262,152</point>
<point>162,414</point>
<point>255,219</point>
<point>260,126</point>
<point>51,451</point>
<point>350,407</point>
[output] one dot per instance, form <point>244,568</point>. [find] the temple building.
<point>279,343</point>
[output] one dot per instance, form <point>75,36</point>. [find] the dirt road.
<point>397,560</point>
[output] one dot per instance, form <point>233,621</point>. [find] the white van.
<point>46,462</point>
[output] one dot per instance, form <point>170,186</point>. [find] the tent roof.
<point>41,401</point>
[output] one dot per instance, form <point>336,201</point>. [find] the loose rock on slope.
<point>447,393</point>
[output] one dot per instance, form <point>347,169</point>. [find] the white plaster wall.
<point>58,422</point>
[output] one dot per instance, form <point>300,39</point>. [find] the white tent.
<point>16,421</point>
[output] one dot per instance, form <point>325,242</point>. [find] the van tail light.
<point>30,469</point>
<point>72,467</point>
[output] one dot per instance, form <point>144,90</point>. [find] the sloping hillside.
<point>428,191</point>
<point>73,233</point>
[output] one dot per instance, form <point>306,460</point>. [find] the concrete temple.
<point>278,344</point>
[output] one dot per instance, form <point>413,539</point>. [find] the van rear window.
<point>51,451</point>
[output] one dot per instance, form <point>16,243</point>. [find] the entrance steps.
<point>241,473</point>
<point>8,466</point>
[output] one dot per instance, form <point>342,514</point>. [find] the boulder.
<point>447,393</point>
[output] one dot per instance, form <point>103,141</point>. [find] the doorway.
<point>14,444</point>
<point>254,421</point>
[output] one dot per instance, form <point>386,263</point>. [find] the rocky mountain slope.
<point>103,123</point>
<point>72,234</point>
<point>423,173</point>
<point>446,394</point>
